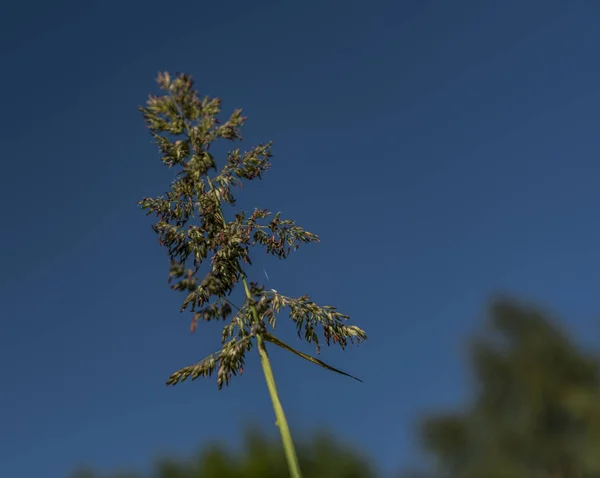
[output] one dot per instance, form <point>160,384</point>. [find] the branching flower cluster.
<point>191,226</point>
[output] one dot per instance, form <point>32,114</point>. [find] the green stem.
<point>281,420</point>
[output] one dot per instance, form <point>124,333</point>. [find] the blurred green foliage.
<point>535,409</point>
<point>320,457</point>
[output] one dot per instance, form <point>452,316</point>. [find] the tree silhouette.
<point>536,407</point>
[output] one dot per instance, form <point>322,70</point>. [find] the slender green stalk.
<point>281,420</point>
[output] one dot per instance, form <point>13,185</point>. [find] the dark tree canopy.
<point>536,408</point>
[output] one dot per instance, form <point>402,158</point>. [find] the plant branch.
<point>281,420</point>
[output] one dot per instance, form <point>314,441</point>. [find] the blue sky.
<point>443,151</point>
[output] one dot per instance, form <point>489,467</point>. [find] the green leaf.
<point>274,340</point>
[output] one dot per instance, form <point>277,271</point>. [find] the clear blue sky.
<point>443,151</point>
